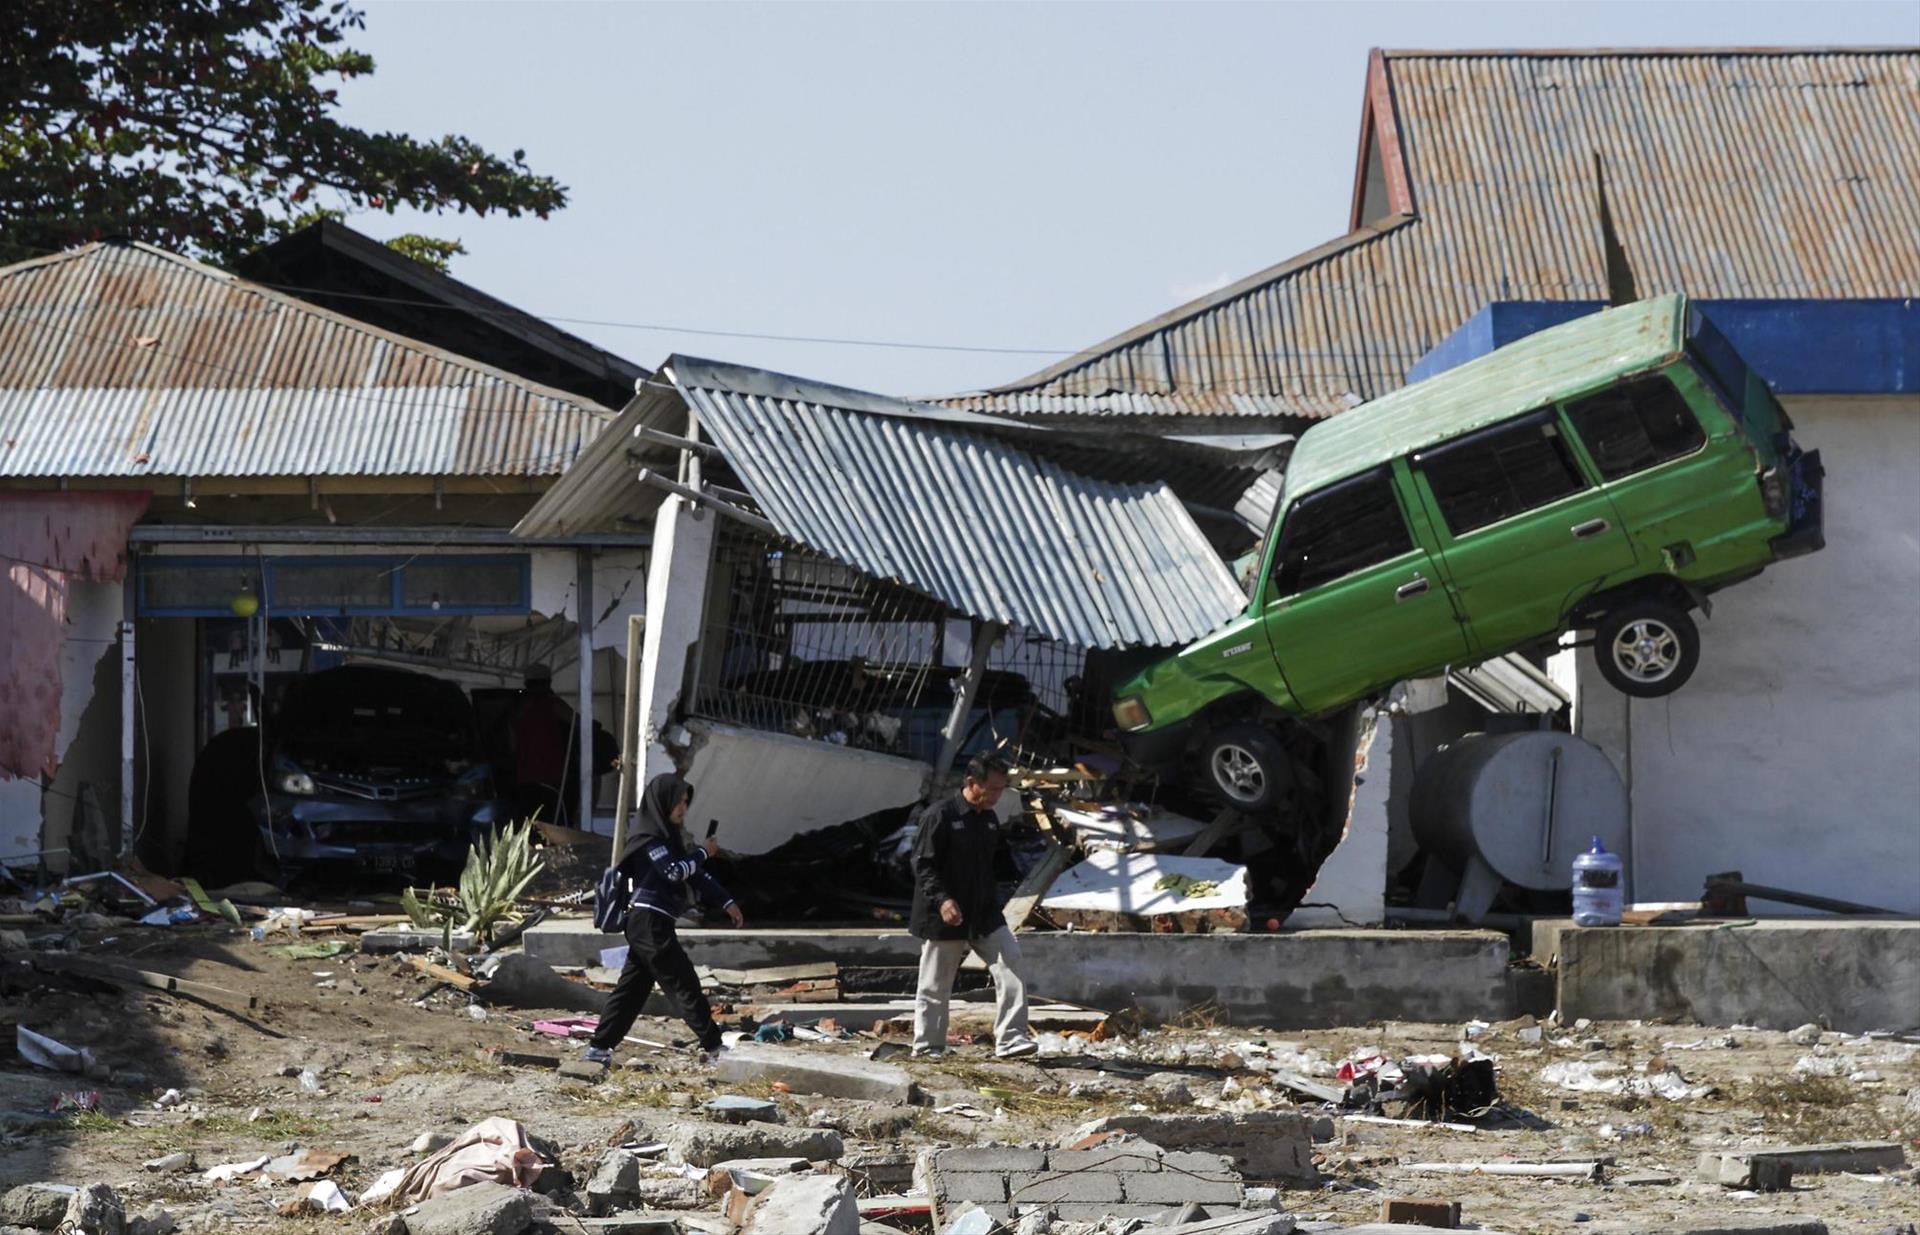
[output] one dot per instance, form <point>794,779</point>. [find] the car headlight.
<point>296,782</point>
<point>1131,713</point>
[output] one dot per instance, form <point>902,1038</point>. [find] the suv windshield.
<point>376,709</point>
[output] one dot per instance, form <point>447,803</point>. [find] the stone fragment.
<point>806,1205</point>
<point>615,1184</point>
<point>522,981</point>
<point>1772,1168</point>
<point>94,1210</point>
<point>40,1206</point>
<point>1263,1145</point>
<point>431,1142</point>
<point>582,1070</point>
<point>477,1209</point>
<point>1805,1035</point>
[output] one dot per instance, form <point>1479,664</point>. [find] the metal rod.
<point>650,477</point>
<point>452,537</point>
<point>629,733</point>
<point>678,443</point>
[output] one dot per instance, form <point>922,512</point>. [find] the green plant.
<point>495,876</point>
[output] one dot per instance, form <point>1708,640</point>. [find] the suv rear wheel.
<point>1247,767</point>
<point>1647,648</point>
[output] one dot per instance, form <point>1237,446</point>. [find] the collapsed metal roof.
<point>981,514</point>
<point>124,360</point>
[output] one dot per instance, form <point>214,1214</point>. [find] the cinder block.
<point>1076,1211</point>
<point>1122,1158</point>
<point>991,1158</point>
<point>1174,1188</point>
<point>1046,1189</point>
<point>1208,1166</point>
<point>981,1186</point>
<point>1421,1211</point>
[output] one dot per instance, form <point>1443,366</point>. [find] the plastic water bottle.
<point>1597,891</point>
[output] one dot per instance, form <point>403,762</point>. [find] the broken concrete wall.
<point>766,788</point>
<point>1804,714</point>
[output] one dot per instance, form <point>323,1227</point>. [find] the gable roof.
<point>1730,174</point>
<point>124,360</point>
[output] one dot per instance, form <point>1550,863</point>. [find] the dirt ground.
<point>398,1055</point>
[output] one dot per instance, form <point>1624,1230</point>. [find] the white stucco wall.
<point>1793,755</point>
<point>766,788</point>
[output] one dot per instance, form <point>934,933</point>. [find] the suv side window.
<point>1636,425</point>
<point>1350,526</point>
<point>1496,473</point>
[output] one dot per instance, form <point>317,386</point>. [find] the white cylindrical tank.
<point>1526,804</point>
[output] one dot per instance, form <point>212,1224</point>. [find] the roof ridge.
<point>1461,53</point>
<point>1203,304</point>
<point>102,250</point>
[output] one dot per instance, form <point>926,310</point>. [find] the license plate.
<point>388,862</point>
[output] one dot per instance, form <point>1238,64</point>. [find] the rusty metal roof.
<point>123,360</point>
<point>1731,174</point>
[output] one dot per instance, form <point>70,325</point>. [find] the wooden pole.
<point>985,635</point>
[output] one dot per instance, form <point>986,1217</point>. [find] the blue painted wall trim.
<point>1852,347</point>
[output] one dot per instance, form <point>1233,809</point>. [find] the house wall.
<point>1790,755</point>
<point>88,744</point>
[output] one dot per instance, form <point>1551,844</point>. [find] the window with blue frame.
<point>319,586</point>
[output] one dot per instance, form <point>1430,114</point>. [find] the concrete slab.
<point>816,1072</point>
<point>1268,1146</point>
<point>1852,974</point>
<point>406,939</point>
<point>1285,980</point>
<point>1771,1168</point>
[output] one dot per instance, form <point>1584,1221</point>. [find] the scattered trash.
<point>43,1052</point>
<point>309,1081</point>
<point>230,1171</point>
<point>494,1150</point>
<point>171,1163</point>
<point>78,1100</point>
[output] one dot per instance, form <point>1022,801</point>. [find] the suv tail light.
<point>1131,713</point>
<point>1773,492</point>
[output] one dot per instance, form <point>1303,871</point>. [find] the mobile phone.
<point>713,825</point>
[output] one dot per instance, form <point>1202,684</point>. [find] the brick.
<point>1421,1211</point>
<point>1044,1189</point>
<point>980,1186</point>
<point>1127,1158</point>
<point>991,1158</point>
<point>1174,1188</point>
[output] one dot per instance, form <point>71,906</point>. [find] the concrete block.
<point>1262,1145</point>
<point>1048,1188</point>
<point>817,1072</point>
<point>699,1143</point>
<point>95,1210</point>
<point>40,1206</point>
<point>1003,1158</point>
<point>981,1187</point>
<point>806,1205</point>
<point>1174,1188</point>
<point>1420,1211</point>
<point>477,1209</point>
<point>1126,1159</point>
<point>615,1184</point>
<point>1771,1169</point>
<point>1852,975</point>
<point>1199,1165</point>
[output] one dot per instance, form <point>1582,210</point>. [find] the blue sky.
<point>1028,177</point>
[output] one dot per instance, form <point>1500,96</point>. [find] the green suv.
<point>1605,474</point>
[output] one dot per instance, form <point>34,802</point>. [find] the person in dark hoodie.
<point>662,868</point>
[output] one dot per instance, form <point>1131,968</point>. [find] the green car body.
<point>1628,460</point>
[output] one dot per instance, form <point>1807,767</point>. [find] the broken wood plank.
<point>1027,896</point>
<point>442,973</point>
<point>1224,824</point>
<point>88,967</point>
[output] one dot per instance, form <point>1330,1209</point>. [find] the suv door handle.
<point>1407,591</point>
<point>1592,527</point>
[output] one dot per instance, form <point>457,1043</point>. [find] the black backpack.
<point>611,901</point>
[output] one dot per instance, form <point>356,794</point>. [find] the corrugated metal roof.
<point>125,361</point>
<point>964,516</point>
<point>1554,364</point>
<point>1791,174</point>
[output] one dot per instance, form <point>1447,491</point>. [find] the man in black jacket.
<point>957,909</point>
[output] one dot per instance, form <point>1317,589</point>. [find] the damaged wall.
<point>766,788</point>
<point>1789,755</point>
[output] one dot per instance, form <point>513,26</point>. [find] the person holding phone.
<point>957,909</point>
<point>662,868</point>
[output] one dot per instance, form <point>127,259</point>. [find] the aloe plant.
<point>495,877</point>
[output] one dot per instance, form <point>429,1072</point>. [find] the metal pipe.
<point>678,443</point>
<point>985,635</point>
<point>650,477</point>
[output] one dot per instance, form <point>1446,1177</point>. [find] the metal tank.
<point>1518,808</point>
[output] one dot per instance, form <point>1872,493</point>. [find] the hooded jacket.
<point>663,869</point>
